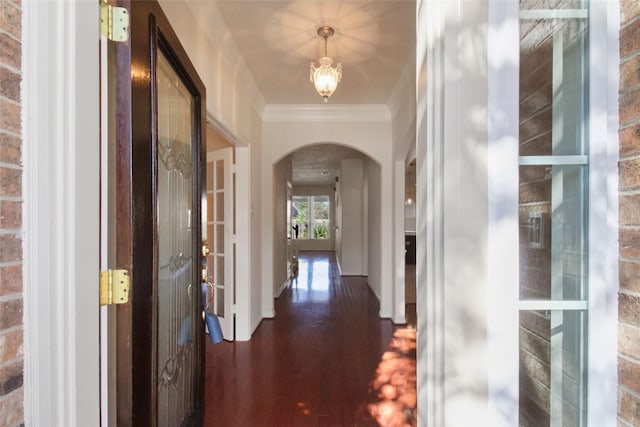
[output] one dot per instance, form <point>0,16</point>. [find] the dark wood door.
<point>166,350</point>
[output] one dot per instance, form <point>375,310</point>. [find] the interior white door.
<point>221,238</point>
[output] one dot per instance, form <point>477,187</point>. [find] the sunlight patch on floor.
<point>394,387</point>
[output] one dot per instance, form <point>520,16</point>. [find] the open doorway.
<point>218,229</point>
<point>335,207</point>
<point>410,243</point>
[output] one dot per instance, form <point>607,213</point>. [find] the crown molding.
<point>326,113</point>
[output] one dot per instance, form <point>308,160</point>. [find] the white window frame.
<point>311,219</point>
<point>602,232</point>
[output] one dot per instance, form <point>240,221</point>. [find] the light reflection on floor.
<point>313,277</point>
<point>393,390</point>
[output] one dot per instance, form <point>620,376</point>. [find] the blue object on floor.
<point>213,325</point>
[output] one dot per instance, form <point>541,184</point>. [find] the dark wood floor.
<point>325,360</point>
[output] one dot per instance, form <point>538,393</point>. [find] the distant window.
<point>310,217</point>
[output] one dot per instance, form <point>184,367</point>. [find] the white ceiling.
<point>374,40</point>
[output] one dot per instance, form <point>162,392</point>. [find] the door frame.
<point>61,175</point>
<point>150,32</point>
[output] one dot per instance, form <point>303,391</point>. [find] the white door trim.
<point>61,212</point>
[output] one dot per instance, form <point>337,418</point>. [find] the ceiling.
<point>374,41</point>
<point>320,164</point>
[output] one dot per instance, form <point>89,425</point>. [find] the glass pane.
<point>219,270</point>
<point>209,177</point>
<point>552,218</point>
<point>219,174</point>
<point>219,206</point>
<point>552,4</point>
<point>210,207</point>
<point>553,85</point>
<point>552,368</point>
<point>321,207</point>
<point>219,239</point>
<point>219,302</point>
<point>176,310</point>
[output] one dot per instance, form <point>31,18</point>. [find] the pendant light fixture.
<point>325,78</point>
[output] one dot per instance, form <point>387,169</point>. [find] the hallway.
<point>318,363</point>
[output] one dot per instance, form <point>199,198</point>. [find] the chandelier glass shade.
<point>325,78</point>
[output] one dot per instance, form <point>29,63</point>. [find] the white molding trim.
<point>503,192</point>
<point>243,244</point>
<point>61,212</point>
<point>326,113</point>
<point>602,343</point>
<point>225,132</point>
<point>282,287</point>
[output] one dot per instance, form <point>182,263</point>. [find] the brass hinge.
<point>114,22</point>
<point>114,287</point>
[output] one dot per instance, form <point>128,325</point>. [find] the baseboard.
<point>284,285</point>
<point>256,324</point>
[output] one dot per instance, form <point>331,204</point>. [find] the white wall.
<point>374,201</point>
<point>318,244</point>
<point>351,187</point>
<point>232,96</point>
<point>364,128</point>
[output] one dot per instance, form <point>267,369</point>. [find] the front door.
<point>167,175</point>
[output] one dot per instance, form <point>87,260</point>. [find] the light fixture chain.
<point>325,45</point>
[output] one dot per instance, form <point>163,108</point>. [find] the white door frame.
<point>61,212</point>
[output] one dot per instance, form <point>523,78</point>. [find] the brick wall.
<point>11,353</point>
<point>629,175</point>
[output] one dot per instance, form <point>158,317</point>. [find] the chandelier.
<point>325,78</point>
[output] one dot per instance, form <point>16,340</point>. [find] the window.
<point>310,217</point>
<point>553,208</point>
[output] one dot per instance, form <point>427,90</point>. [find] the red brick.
<point>628,340</point>
<point>628,407</point>
<point>629,173</point>
<point>10,149</point>
<point>9,116</point>
<point>629,243</point>
<point>630,74</point>
<point>629,209</point>
<point>12,408</point>
<point>9,84</point>
<point>10,51</point>
<point>11,378</point>
<point>10,19</point>
<point>10,248</point>
<point>10,314</point>
<point>10,280</point>
<point>11,346</point>
<point>629,309</point>
<point>630,38</point>
<point>10,215</point>
<point>629,374</point>
<point>630,276</point>
<point>629,9</point>
<point>10,182</point>
<point>630,141</point>
<point>630,106</point>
